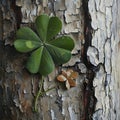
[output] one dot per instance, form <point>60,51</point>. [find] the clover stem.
<point>47,90</point>
<point>38,94</point>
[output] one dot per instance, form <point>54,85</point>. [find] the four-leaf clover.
<point>46,49</point>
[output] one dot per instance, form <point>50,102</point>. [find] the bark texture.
<point>18,87</point>
<point>104,53</point>
<point>94,25</point>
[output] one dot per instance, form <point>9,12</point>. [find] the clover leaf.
<point>46,49</point>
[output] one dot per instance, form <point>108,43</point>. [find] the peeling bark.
<point>105,40</point>
<point>18,87</point>
<point>94,25</point>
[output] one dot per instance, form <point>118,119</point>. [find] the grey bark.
<point>18,87</point>
<point>104,52</point>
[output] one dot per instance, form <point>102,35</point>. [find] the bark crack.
<point>17,12</point>
<point>88,91</point>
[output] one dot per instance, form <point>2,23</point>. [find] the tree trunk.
<point>18,87</point>
<point>94,26</point>
<point>104,52</point>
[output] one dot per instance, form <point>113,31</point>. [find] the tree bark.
<point>104,52</point>
<point>17,86</point>
<point>94,26</point>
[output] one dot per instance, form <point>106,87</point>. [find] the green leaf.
<point>46,65</point>
<point>64,42</point>
<point>41,26</point>
<point>47,49</point>
<point>34,60</point>
<point>54,27</point>
<point>59,55</point>
<point>26,45</point>
<point>27,34</point>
